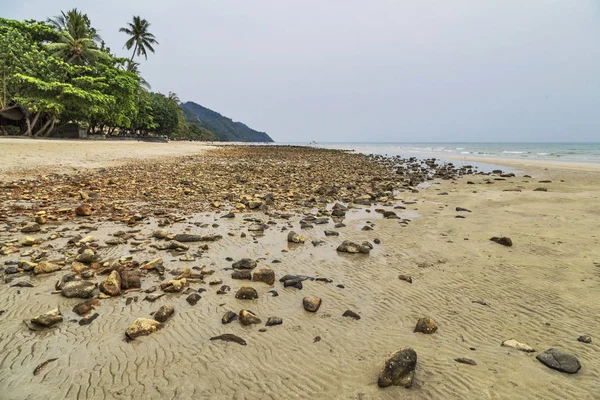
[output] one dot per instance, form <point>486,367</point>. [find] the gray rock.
<point>78,289</point>
<point>228,317</point>
<point>272,321</point>
<point>164,313</point>
<point>353,248</point>
<point>559,360</point>
<point>244,263</point>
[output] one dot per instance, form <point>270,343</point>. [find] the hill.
<point>224,128</point>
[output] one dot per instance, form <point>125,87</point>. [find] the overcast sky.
<point>377,70</point>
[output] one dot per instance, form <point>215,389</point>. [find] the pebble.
<point>272,321</point>
<point>228,317</point>
<point>311,304</point>
<point>585,339</point>
<point>505,241</point>
<point>426,325</point>
<point>351,314</point>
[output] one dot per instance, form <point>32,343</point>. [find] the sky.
<point>371,71</point>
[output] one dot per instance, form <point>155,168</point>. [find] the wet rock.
<point>228,317</point>
<point>353,248</point>
<point>390,215</point>
<point>463,360</point>
<point>28,241</point>
<point>88,320</point>
<point>48,318</point>
<point>193,299</point>
<point>174,285</point>
<point>185,238</point>
<point>228,337</point>
<point>164,313</point>
<point>247,317</point>
<point>426,325</point>
<point>246,293</point>
<point>242,274</point>
<point>311,304</point>
<point>293,237</point>
<point>585,339</point>
<point>405,278</point>
<point>320,221</point>
<point>272,321</point>
<point>31,227</point>
<point>517,345</point>
<point>460,209</point>
<point>156,264</point>
<point>265,275</point>
<point>273,293</point>
<point>559,360</point>
<point>142,327</point>
<point>318,242</point>
<point>502,240</point>
<point>296,283</point>
<point>160,233</point>
<point>112,284</point>
<point>79,289</point>
<point>244,263</point>
<point>130,280</point>
<point>216,281</point>
<point>332,233</point>
<point>45,267</point>
<point>540,189</point>
<point>23,282</point>
<point>399,369</point>
<point>87,256</point>
<point>83,210</point>
<point>152,297</point>
<point>63,280</point>
<point>224,289</point>
<point>86,306</point>
<point>351,314</point>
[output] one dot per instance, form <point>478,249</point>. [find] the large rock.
<point>426,325</point>
<point>112,284</point>
<point>130,280</point>
<point>63,280</point>
<point>45,267</point>
<point>83,210</point>
<point>399,369</point>
<point>79,289</point>
<point>244,263</point>
<point>164,313</point>
<point>311,304</point>
<point>265,275</point>
<point>242,274</point>
<point>31,227</point>
<point>142,327</point>
<point>248,318</point>
<point>246,293</point>
<point>293,237</point>
<point>87,256</point>
<point>559,360</point>
<point>48,319</point>
<point>157,265</point>
<point>353,248</point>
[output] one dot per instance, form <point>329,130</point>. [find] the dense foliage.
<point>61,71</point>
<point>224,128</point>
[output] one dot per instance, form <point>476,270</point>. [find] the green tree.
<point>76,50</point>
<point>140,38</point>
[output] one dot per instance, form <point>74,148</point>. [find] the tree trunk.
<point>31,125</point>
<point>43,128</point>
<point>134,49</point>
<point>51,128</point>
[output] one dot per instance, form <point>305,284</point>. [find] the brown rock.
<point>45,267</point>
<point>242,274</point>
<point>130,280</point>
<point>246,293</point>
<point>142,327</point>
<point>164,313</point>
<point>83,210</point>
<point>399,369</point>
<point>265,275</point>
<point>248,318</point>
<point>311,304</point>
<point>426,325</point>
<point>112,284</point>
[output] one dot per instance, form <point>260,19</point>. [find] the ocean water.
<point>570,152</point>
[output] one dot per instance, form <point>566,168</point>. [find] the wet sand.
<point>542,291</point>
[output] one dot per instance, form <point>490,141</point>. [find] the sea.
<point>453,152</point>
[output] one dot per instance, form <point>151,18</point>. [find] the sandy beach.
<point>542,291</point>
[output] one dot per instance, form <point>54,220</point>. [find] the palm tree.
<point>76,23</point>
<point>132,66</point>
<point>141,40</point>
<point>174,98</point>
<point>75,50</point>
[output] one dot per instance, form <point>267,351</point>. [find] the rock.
<point>28,241</point>
<point>22,282</point>
<point>248,318</point>
<point>399,369</point>
<point>246,293</point>
<point>244,263</point>
<point>130,279</point>
<point>265,275</point>
<point>79,289</point>
<point>272,321</point>
<point>31,227</point>
<point>112,284</point>
<point>518,345</point>
<point>224,289</point>
<point>87,256</point>
<point>502,240</point>
<point>585,339</point>
<point>216,281</point>
<point>293,237</point>
<point>83,210</point>
<point>332,233</point>
<point>152,297</point>
<point>164,313</point>
<point>297,283</point>
<point>41,219</point>
<point>185,238</point>
<point>243,274</point>
<point>142,327</point>
<point>351,314</point>
<point>228,337</point>
<point>88,320</point>
<point>174,285</point>
<point>228,317</point>
<point>405,278</point>
<point>353,248</point>
<point>273,293</point>
<point>63,280</point>
<point>48,319</point>
<point>86,306</point>
<point>318,242</point>
<point>156,264</point>
<point>193,299</point>
<point>160,233</point>
<point>559,360</point>
<point>311,304</point>
<point>463,360</point>
<point>426,325</point>
<point>460,209</point>
<point>390,215</point>
<point>45,267</point>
